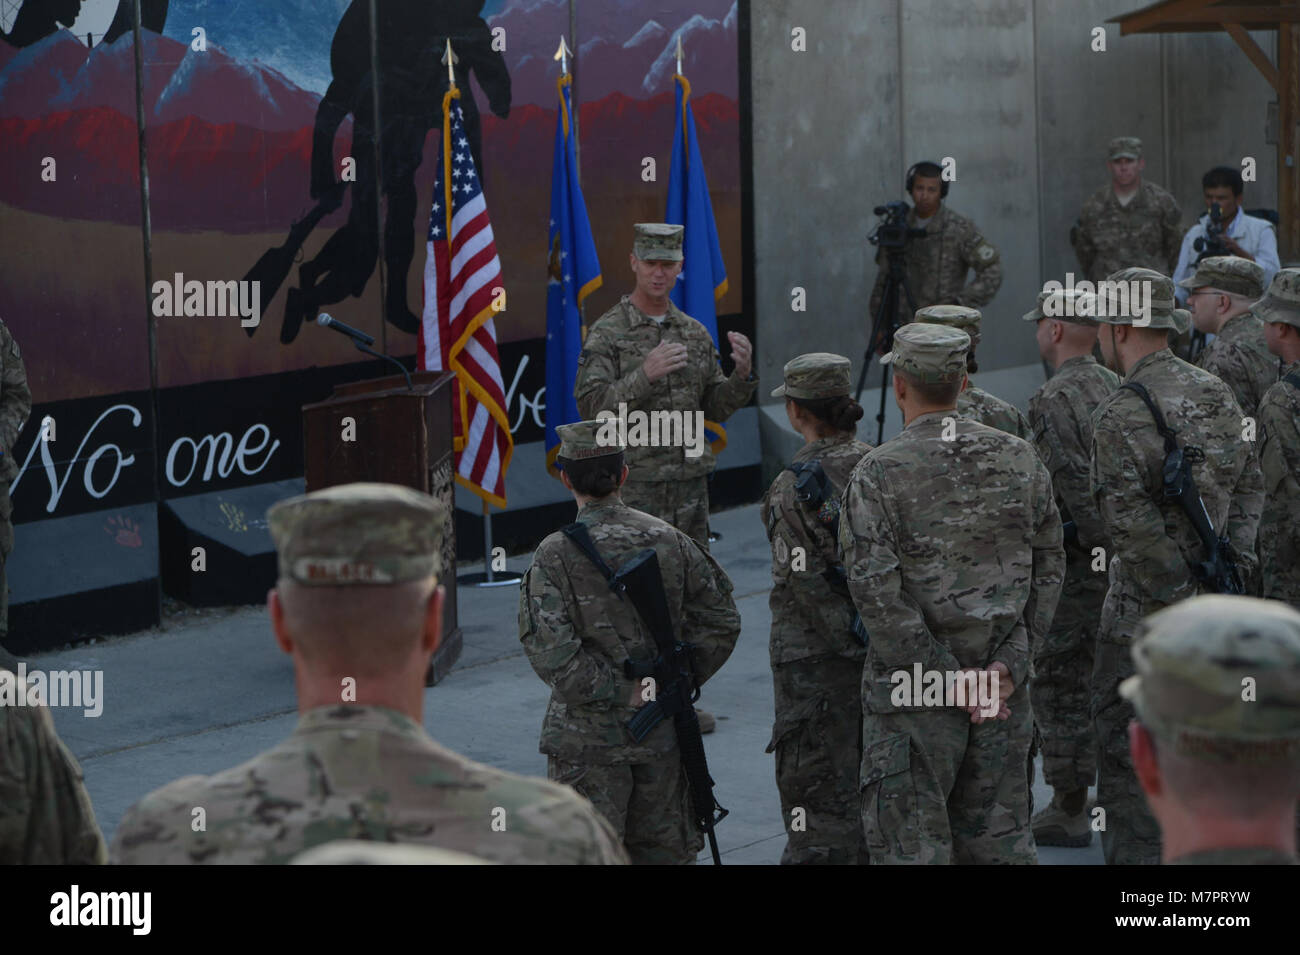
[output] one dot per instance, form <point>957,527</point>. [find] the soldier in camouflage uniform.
<point>816,658</point>
<point>358,608</point>
<point>952,545</point>
<point>45,812</point>
<point>1129,222</point>
<point>1154,546</point>
<point>1222,291</point>
<point>976,403</point>
<point>15,406</point>
<point>1220,768</point>
<point>356,852</point>
<point>580,636</point>
<point>1279,443</point>
<point>937,263</point>
<point>648,355</point>
<point>1060,413</point>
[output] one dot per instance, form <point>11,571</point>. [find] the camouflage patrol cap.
<point>1228,273</point>
<point>359,534</point>
<point>1281,303</point>
<point>1219,678</point>
<point>1125,146</point>
<point>815,375</point>
<point>590,439</point>
<point>658,241</point>
<point>365,852</point>
<point>1140,297</point>
<point>1071,305</point>
<point>930,353</point>
<point>954,316</point>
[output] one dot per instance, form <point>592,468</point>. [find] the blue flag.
<point>704,278</point>
<point>573,273</point>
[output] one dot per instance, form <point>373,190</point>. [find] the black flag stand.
<point>488,577</point>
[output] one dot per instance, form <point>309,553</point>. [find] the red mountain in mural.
<point>59,74</point>
<point>236,178</point>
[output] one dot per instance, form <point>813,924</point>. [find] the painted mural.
<point>274,157</point>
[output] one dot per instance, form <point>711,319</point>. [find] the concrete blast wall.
<point>1014,92</point>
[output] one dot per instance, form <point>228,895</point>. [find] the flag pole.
<point>487,578</point>
<point>713,535</point>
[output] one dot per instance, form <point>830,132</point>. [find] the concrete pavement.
<point>211,690</point>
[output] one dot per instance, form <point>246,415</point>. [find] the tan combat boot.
<point>1054,826</point>
<point>707,723</point>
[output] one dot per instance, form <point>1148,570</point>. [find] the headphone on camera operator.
<point>931,170</point>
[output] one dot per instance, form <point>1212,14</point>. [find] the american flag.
<point>462,292</point>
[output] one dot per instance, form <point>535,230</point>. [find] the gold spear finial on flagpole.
<point>450,59</point>
<point>679,54</point>
<point>562,54</point>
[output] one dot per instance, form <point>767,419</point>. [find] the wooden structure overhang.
<point>1236,18</point>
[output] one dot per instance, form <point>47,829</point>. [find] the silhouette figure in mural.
<point>411,39</point>
<point>37,19</point>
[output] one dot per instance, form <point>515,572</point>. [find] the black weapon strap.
<point>1292,378</point>
<point>815,466</point>
<point>823,483</point>
<point>1170,436</point>
<point>577,532</point>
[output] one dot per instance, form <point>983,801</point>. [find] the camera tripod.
<point>886,318</point>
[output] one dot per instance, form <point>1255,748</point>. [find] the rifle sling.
<point>1171,445</point>
<point>577,532</point>
<point>823,482</point>
<point>1170,436</point>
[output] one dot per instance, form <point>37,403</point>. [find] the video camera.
<point>1212,242</point>
<point>892,232</point>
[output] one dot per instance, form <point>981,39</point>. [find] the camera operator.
<point>938,261</point>
<point>1234,232</point>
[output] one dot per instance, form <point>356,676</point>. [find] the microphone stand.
<point>361,346</point>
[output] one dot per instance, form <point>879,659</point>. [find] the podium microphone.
<point>362,341</point>
<point>353,333</point>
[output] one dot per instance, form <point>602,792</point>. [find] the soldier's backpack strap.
<point>1292,378</point>
<point>1170,436</point>
<point>577,532</point>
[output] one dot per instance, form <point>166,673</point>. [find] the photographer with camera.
<point>938,256</point>
<point>1226,229</point>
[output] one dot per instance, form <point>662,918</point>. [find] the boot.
<point>1066,821</point>
<point>707,722</point>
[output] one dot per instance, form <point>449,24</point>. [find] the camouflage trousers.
<point>1061,690</point>
<point>683,504</point>
<point>1130,835</point>
<point>939,789</point>
<point>648,804</point>
<point>817,739</point>
<point>6,548</point>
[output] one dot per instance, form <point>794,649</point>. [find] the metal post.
<point>146,233</point>
<point>506,578</point>
<point>487,544</point>
<point>382,263</point>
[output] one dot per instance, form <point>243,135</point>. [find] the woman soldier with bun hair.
<point>818,641</point>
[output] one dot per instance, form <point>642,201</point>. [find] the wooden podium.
<point>402,437</point>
